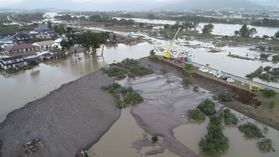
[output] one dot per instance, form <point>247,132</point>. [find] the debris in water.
<point>31,146</point>
<point>82,153</point>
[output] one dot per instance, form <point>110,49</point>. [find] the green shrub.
<point>225,97</point>
<point>230,117</point>
<point>214,142</point>
<point>270,93</point>
<point>216,120</point>
<point>207,107</point>
<point>267,69</point>
<point>186,82</point>
<point>265,76</point>
<point>251,130</point>
<point>215,97</point>
<point>196,88</point>
<point>272,104</point>
<point>154,139</point>
<point>133,98</point>
<point>163,70</point>
<point>155,58</point>
<point>262,48</point>
<point>265,145</point>
<point>263,56</point>
<point>196,114</point>
<point>152,52</point>
<point>256,73</point>
<point>188,66</point>
<point>275,58</point>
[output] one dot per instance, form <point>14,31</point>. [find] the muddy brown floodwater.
<point>163,113</point>
<point>25,86</point>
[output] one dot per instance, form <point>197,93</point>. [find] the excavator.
<point>257,86</point>
<point>167,56</point>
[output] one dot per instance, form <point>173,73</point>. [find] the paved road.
<point>245,81</point>
<point>235,78</point>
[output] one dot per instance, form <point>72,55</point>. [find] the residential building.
<point>20,48</point>
<point>42,28</point>
<point>22,36</point>
<point>12,62</point>
<point>6,34</point>
<point>44,44</point>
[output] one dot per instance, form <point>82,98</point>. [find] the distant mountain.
<point>274,3</point>
<point>210,4</point>
<point>89,5</point>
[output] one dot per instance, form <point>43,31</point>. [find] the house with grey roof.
<point>18,61</point>
<point>7,40</point>
<point>20,48</point>
<point>44,44</point>
<point>6,34</point>
<point>12,62</point>
<point>42,28</point>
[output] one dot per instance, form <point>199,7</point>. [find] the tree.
<point>196,24</point>
<point>168,26</point>
<point>252,31</point>
<point>49,24</point>
<point>244,31</point>
<point>207,29</point>
<point>151,16</point>
<point>236,33</point>
<point>276,35</point>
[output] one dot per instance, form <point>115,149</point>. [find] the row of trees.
<point>266,23</point>
<point>99,18</point>
<point>87,40</point>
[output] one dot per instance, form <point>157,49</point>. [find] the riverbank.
<point>72,117</point>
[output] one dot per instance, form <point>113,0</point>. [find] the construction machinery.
<point>167,56</point>
<point>257,86</point>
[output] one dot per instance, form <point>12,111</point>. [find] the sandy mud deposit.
<point>164,108</point>
<point>72,117</point>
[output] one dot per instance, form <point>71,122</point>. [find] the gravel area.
<point>72,117</point>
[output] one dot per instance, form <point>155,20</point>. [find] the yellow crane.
<point>167,56</point>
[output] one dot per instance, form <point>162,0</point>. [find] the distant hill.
<point>89,5</point>
<point>274,3</point>
<point>210,4</point>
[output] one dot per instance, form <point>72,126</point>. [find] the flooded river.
<point>219,29</point>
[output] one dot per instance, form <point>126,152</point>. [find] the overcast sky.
<point>4,3</point>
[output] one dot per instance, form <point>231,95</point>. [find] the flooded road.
<point>163,113</point>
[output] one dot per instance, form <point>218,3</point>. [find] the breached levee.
<point>72,117</point>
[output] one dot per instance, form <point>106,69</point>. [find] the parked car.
<point>204,70</point>
<point>228,79</point>
<point>212,71</point>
